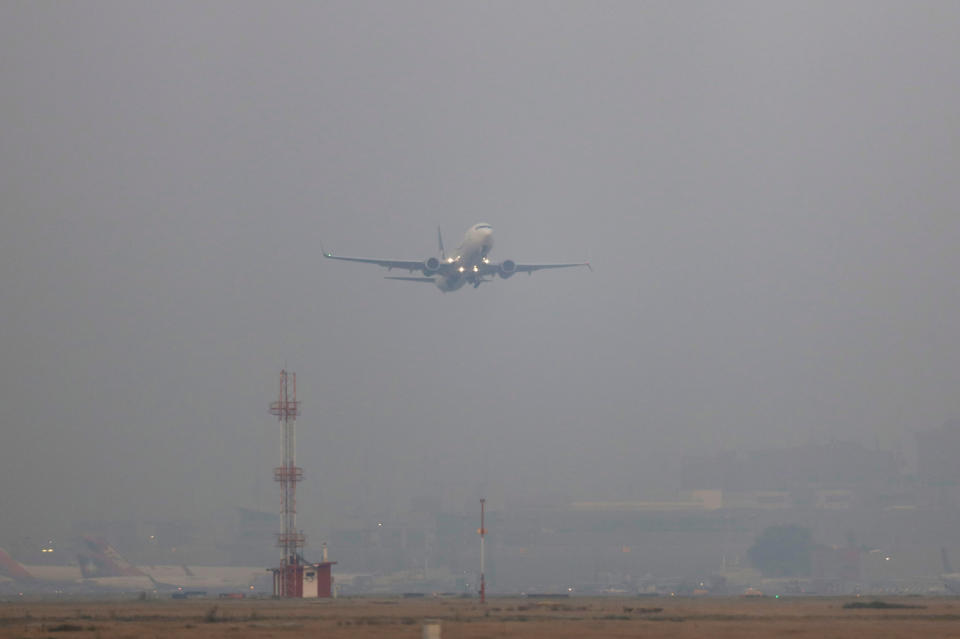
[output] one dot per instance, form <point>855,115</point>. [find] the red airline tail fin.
<point>10,567</point>
<point>107,562</point>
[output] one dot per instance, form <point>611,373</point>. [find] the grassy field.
<point>500,617</point>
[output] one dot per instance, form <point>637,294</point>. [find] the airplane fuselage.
<point>468,259</point>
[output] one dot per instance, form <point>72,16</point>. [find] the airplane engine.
<point>431,265</point>
<point>507,268</point>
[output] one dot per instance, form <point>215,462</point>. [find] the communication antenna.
<point>290,540</point>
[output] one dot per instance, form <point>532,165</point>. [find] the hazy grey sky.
<point>767,190</point>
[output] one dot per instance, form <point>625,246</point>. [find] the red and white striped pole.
<point>483,532</point>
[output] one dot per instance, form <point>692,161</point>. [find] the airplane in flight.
<point>468,264</point>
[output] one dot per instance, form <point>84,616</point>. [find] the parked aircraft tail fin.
<point>105,561</point>
<point>10,567</point>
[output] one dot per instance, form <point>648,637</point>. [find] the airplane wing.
<point>530,268</point>
<point>509,267</point>
<point>411,279</point>
<point>410,265</point>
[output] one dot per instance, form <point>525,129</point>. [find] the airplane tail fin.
<point>443,254</point>
<point>12,568</point>
<point>106,561</point>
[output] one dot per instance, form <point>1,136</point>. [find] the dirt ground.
<point>500,617</point>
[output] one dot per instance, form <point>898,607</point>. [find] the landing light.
<point>461,269</point>
<point>476,268</point>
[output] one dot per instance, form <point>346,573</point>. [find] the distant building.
<point>798,470</point>
<point>835,564</point>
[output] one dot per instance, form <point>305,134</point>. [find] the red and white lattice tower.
<point>288,578</point>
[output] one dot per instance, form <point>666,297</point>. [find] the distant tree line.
<point>782,551</point>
